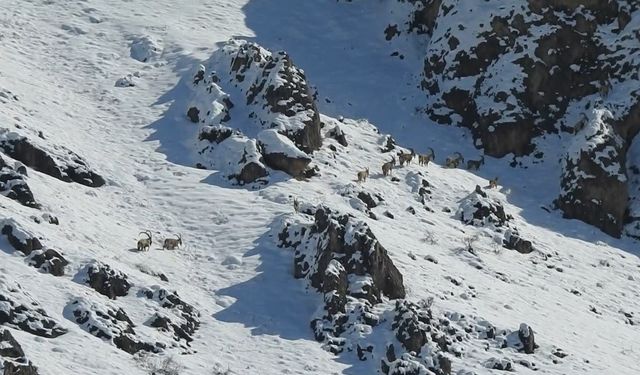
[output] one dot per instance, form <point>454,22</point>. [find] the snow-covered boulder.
<point>479,209</point>
<point>178,318</point>
<point>236,157</point>
<point>13,184</point>
<point>281,154</point>
<point>145,49</point>
<point>57,162</point>
<point>105,280</point>
<point>18,310</point>
<point>108,322</point>
<point>49,261</point>
<point>21,239</point>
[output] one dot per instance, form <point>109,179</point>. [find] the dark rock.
<point>337,134</point>
<point>389,144</point>
<point>106,281</point>
<point>216,134</point>
<point>184,319</point>
<point>14,186</point>
<point>110,323</point>
<point>513,241</point>
<point>49,261</point>
<point>367,199</point>
<point>21,240</point>
<point>389,215</point>
<point>294,166</point>
<point>478,209</point>
<point>73,169</point>
<point>21,312</point>
<point>9,347</point>
<point>12,368</point>
<point>250,173</point>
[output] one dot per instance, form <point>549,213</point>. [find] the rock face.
<point>19,311</point>
<point>110,323</point>
<point>62,164</point>
<point>594,181</point>
<point>105,280</point>
<point>283,125</point>
<point>512,73</point>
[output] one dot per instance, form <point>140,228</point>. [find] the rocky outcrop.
<point>14,360</point>
<point>594,181</point>
<point>62,164</point>
<point>351,243</point>
<point>20,239</point>
<point>49,261</point>
<point>178,318</point>
<point>105,280</point>
<point>283,126</point>
<point>14,186</point>
<point>18,310</point>
<point>516,72</point>
<point>479,209</point>
<point>110,323</point>
<point>281,154</point>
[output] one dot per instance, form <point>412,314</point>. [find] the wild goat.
<point>405,158</point>
<point>426,158</point>
<point>454,161</point>
<point>388,166</point>
<point>493,183</point>
<point>605,87</point>
<point>363,175</point>
<point>172,243</point>
<point>474,165</point>
<point>145,243</point>
<point>296,205</point>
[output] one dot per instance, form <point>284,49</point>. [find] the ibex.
<point>605,87</point>
<point>172,243</point>
<point>454,161</point>
<point>426,158</point>
<point>296,205</point>
<point>363,175</point>
<point>405,158</point>
<point>474,165</point>
<point>145,243</point>
<point>493,183</point>
<point>388,166</point>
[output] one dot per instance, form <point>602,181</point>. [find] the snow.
<point>61,64</point>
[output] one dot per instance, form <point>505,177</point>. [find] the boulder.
<point>49,261</point>
<point>281,154</point>
<point>62,163</point>
<point>105,280</point>
<point>20,239</point>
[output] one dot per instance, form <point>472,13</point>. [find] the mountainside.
<point>319,187</point>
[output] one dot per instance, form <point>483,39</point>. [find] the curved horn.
<point>147,233</point>
<point>432,152</point>
<point>179,237</point>
<point>457,153</point>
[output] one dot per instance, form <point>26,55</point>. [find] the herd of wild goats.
<point>144,244</point>
<point>452,161</point>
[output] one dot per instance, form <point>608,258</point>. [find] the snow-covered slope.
<point>452,275</point>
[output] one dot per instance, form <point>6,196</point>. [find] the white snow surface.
<point>60,59</point>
